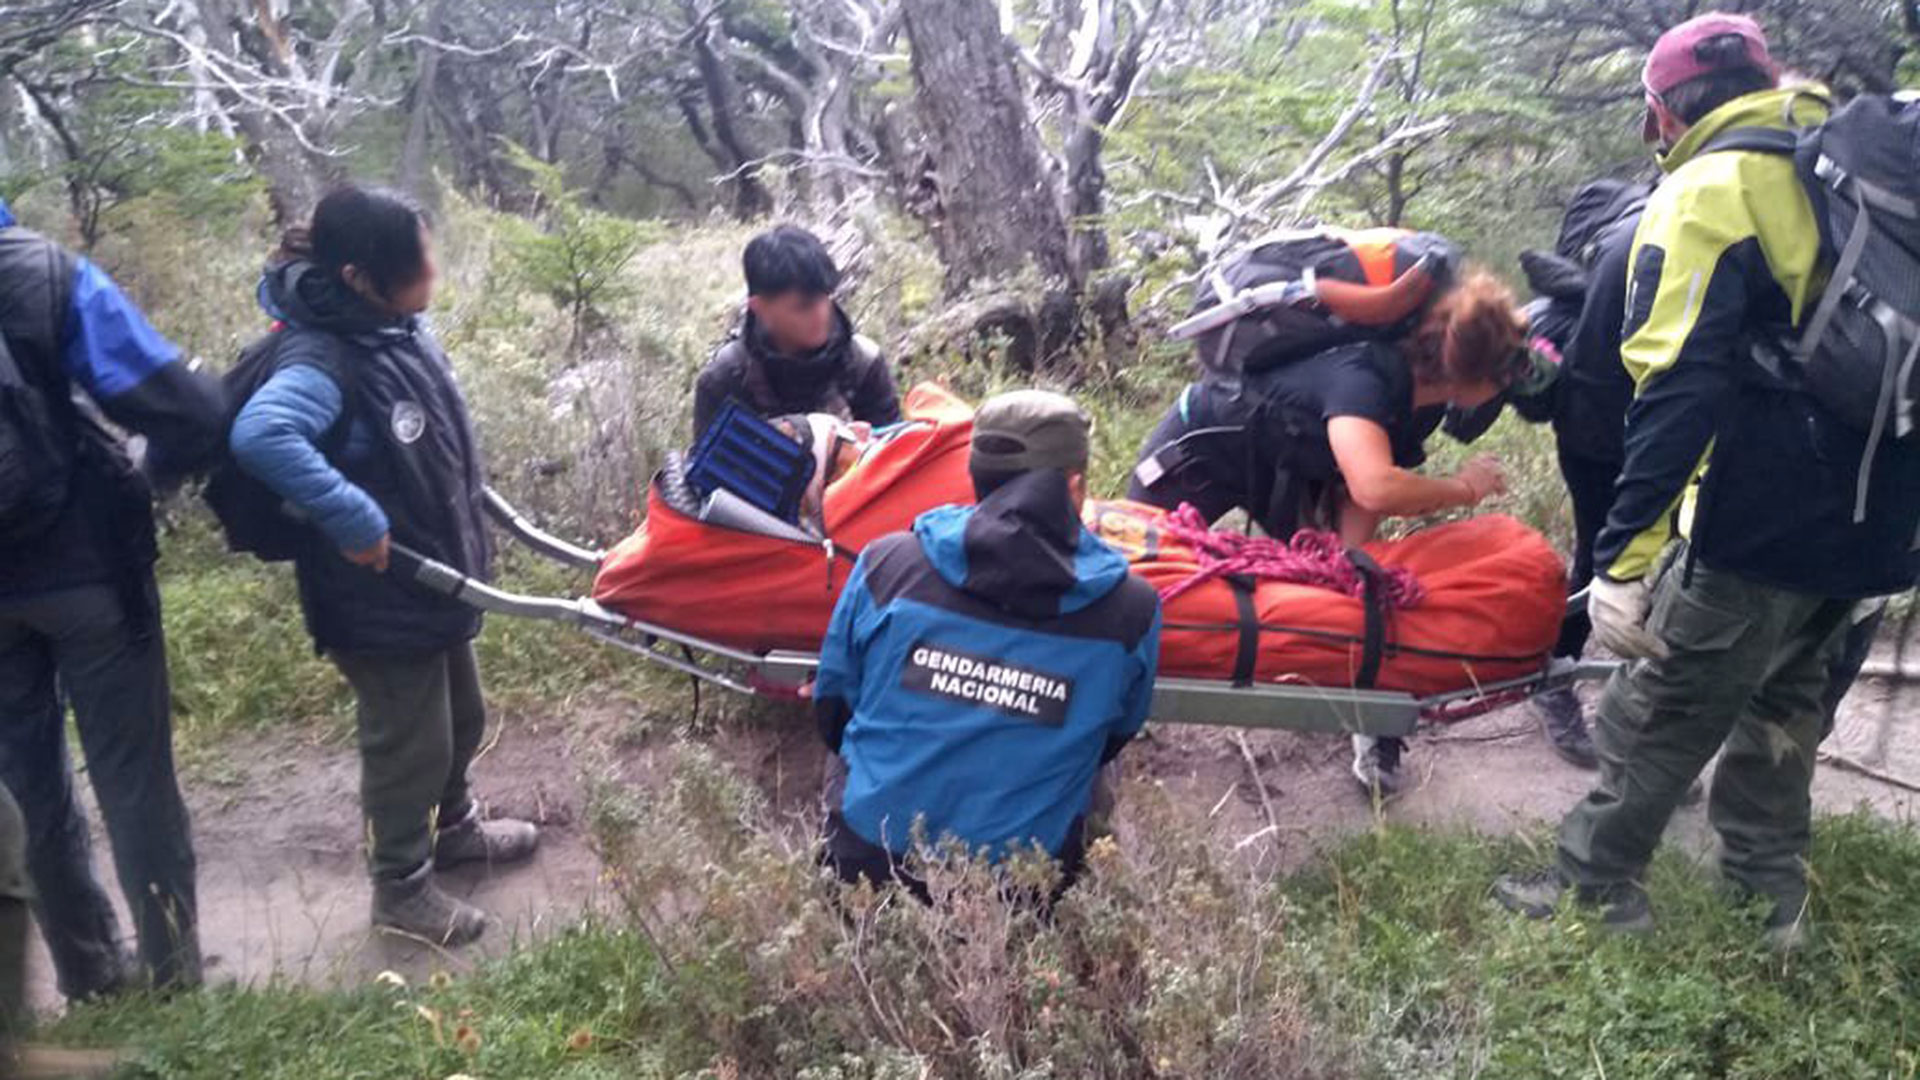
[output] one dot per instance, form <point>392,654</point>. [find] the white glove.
<point>1619,613</point>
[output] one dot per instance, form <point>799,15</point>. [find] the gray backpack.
<point>1857,352</point>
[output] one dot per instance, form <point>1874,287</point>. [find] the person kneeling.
<point>980,670</point>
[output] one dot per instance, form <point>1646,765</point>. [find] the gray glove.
<point>1619,613</point>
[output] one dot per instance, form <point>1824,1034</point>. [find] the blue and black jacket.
<point>71,329</point>
<point>980,669</point>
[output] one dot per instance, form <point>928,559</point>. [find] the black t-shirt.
<point>1369,380</point>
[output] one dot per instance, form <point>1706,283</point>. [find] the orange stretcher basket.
<point>1495,591</point>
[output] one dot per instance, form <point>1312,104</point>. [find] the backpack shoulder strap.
<point>1761,140</point>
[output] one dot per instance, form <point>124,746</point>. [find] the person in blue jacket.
<point>980,670</point>
<point>79,612</point>
<point>362,429</point>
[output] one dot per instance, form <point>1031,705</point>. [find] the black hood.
<point>800,374</point>
<point>1022,549</point>
<point>299,293</point>
<point>1593,208</point>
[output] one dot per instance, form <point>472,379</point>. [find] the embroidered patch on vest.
<point>409,422</point>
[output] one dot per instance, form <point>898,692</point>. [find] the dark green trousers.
<point>1747,671</point>
<point>420,717</point>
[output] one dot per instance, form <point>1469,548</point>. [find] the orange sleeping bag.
<point>1495,593</point>
<point>762,592</point>
<point>1494,589</point>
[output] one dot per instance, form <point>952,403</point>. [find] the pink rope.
<point>1310,558</point>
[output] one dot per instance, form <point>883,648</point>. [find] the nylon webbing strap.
<point>1755,139</point>
<point>1850,253</point>
<point>1373,600</point>
<point>1247,652</point>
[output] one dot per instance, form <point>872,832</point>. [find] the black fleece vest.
<point>425,472</point>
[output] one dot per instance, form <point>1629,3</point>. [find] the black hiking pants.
<point>1590,490</point>
<point>84,646</point>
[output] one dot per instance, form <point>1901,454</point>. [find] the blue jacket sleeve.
<point>836,685</point>
<point>136,375</point>
<point>275,439</point>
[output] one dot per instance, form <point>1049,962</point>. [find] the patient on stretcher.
<point>772,475</point>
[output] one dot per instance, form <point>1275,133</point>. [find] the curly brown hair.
<point>1470,334</point>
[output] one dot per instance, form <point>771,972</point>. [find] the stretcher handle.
<point>437,577</point>
<point>1577,603</point>
<point>523,529</point>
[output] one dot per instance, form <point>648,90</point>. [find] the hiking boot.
<point>1623,909</point>
<point>1787,929</point>
<point>502,840</point>
<point>1566,727</point>
<point>415,905</point>
<point>1376,764</point>
<point>1789,937</point>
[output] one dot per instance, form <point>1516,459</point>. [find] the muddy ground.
<point>283,895</point>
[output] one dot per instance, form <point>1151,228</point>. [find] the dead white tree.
<point>1092,56</point>
<point>246,66</point>
<point>1229,210</point>
<point>817,67</point>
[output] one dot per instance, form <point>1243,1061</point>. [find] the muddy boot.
<point>502,840</point>
<point>416,905</point>
<point>1566,728</point>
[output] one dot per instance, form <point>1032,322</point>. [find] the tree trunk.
<point>294,179</point>
<point>994,208</point>
<point>411,174</point>
<point>294,175</point>
<point>1087,198</point>
<point>1397,195</point>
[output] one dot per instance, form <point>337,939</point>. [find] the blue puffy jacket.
<point>980,669</point>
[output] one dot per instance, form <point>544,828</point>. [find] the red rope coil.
<point>1311,557</point>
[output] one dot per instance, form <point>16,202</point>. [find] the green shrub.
<point>574,255</point>
<point>1410,958</point>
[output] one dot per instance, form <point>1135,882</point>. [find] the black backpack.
<point>37,436</point>
<point>1857,353</point>
<point>1290,295</point>
<point>1592,213</point>
<point>255,519</point>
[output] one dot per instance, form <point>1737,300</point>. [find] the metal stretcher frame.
<point>783,674</point>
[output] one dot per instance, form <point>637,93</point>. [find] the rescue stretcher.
<point>781,674</point>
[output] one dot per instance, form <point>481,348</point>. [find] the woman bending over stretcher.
<point>1331,441</point>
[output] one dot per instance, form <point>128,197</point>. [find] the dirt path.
<point>283,894</point>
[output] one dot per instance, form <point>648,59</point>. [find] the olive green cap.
<point>1030,429</point>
